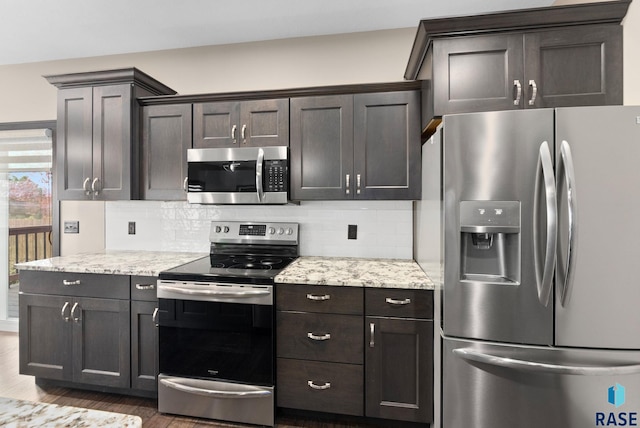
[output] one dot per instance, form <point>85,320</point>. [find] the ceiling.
<point>44,30</point>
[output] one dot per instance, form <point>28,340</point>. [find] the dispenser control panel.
<point>490,216</point>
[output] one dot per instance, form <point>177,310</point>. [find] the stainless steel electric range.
<point>216,325</point>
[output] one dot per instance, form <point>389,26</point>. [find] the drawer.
<point>334,388</point>
<point>144,288</point>
<point>75,284</point>
<point>319,298</point>
<point>403,303</point>
<point>335,338</point>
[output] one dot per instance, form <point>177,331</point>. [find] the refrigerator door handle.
<point>569,173</point>
<point>544,272</point>
<point>539,367</point>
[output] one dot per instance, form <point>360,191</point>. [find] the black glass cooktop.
<point>243,268</point>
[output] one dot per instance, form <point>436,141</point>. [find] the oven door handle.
<point>217,293</point>
<point>249,393</point>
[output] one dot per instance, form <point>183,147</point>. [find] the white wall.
<point>378,56</point>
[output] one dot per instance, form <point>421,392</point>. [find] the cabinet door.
<point>112,150</point>
<point>478,73</point>
<point>264,123</point>
<point>399,369</point>
<point>101,342</point>
<point>74,150</point>
<point>216,124</point>
<point>322,147</point>
<point>387,147</point>
<point>574,67</point>
<point>144,344</point>
<point>45,336</point>
<point>166,137</point>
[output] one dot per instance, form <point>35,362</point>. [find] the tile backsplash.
<point>384,228</point>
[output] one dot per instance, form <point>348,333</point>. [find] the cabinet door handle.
<point>391,301</point>
<point>312,336</point>
<point>348,183</point>
<point>534,92</point>
<point>518,87</point>
<point>73,312</point>
<point>185,184</point>
<point>312,385</point>
<point>94,187</point>
<point>154,317</point>
<point>372,332</point>
<point>145,286</point>
<point>233,133</point>
<point>85,186</point>
<point>243,133</point>
<point>358,184</point>
<point>70,283</point>
<point>318,298</point>
<point>64,309</point>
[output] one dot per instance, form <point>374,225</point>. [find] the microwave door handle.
<point>259,167</point>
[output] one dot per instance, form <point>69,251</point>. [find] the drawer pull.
<point>145,286</point>
<point>312,336</point>
<point>76,282</point>
<point>312,385</point>
<point>318,298</point>
<point>391,301</point>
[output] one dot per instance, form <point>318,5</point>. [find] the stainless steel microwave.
<point>238,175</point>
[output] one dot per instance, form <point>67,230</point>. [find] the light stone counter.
<point>27,414</point>
<point>144,263</point>
<point>355,272</point>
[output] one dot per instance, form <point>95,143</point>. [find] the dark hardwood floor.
<point>15,385</point>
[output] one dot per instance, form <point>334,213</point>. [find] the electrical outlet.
<point>132,228</point>
<point>352,232</point>
<point>71,227</point>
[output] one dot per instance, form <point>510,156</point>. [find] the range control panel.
<point>239,232</point>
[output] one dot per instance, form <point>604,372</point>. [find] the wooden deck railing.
<point>26,244</point>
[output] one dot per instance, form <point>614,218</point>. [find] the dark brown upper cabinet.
<point>97,150</point>
<point>534,58</point>
<point>166,137</point>
<point>241,124</point>
<point>360,146</point>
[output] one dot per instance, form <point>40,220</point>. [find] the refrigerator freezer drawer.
<point>488,385</point>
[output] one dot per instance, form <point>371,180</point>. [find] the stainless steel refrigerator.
<point>541,285</point>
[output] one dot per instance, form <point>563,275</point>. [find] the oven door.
<point>216,341</point>
<point>243,175</point>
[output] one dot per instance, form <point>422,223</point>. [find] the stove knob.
<point>218,229</point>
<point>289,231</point>
<point>226,229</point>
<point>280,231</point>
<point>272,231</point>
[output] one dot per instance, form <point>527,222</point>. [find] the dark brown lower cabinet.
<point>320,386</point>
<point>144,342</point>
<point>76,339</point>
<point>399,369</point>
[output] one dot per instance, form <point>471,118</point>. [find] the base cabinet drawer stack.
<point>320,348</point>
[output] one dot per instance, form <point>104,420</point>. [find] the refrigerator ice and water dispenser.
<point>490,242</point>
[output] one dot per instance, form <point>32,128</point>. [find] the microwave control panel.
<point>276,175</point>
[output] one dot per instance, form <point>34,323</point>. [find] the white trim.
<point>9,325</point>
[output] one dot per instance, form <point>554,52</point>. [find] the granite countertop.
<point>27,414</point>
<point>355,272</point>
<point>144,263</point>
